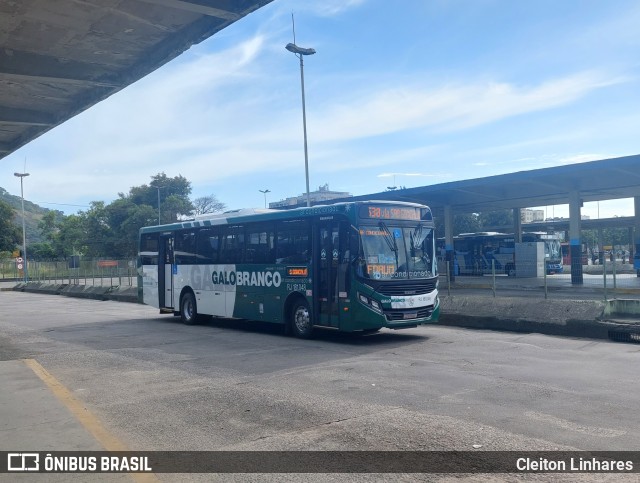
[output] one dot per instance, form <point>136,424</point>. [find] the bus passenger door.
<point>332,238</point>
<point>165,271</point>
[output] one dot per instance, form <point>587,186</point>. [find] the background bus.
<point>356,266</point>
<point>552,249</point>
<point>475,252</point>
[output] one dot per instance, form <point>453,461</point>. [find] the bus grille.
<point>411,288</point>
<point>408,314</point>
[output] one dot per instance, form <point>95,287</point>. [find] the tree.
<point>99,233</point>
<point>71,237</point>
<point>47,226</point>
<point>207,204</point>
<point>125,219</point>
<point>10,234</point>
<point>42,251</point>
<point>172,192</point>
<point>466,223</point>
<point>493,220</point>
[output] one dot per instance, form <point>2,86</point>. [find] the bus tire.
<point>188,309</point>
<point>510,270</point>
<point>300,321</point>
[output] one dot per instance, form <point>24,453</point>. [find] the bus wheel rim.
<point>188,309</point>
<point>301,319</point>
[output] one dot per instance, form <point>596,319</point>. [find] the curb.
<point>590,329</point>
<point>118,294</point>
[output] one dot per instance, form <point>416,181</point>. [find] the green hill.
<point>32,214</point>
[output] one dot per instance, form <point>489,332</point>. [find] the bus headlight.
<point>372,304</point>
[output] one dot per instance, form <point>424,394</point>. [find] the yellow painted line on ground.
<point>82,414</point>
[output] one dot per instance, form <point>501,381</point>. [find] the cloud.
<point>583,158</point>
<point>451,107</point>
<point>424,175</point>
<point>325,8</point>
<point>192,121</point>
<point>329,8</point>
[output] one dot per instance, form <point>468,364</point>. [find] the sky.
<point>409,93</point>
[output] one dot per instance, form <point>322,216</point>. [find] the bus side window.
<point>233,245</point>
<point>207,246</point>
<point>293,242</point>
<point>260,244</point>
<point>149,249</point>
<point>185,248</point>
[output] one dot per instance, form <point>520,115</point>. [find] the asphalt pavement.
<point>101,374</point>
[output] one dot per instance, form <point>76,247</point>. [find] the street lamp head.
<point>21,175</point>
<point>299,50</point>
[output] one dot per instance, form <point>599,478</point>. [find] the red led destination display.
<point>376,212</point>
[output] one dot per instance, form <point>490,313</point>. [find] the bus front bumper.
<point>406,318</point>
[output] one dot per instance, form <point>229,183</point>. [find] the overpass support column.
<point>636,252</point>
<point>574,238</point>
<point>517,225</point>
<point>450,253</point>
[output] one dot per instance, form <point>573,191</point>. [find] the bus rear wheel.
<point>301,319</point>
<point>188,309</point>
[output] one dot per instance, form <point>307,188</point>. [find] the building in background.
<point>317,197</point>
<point>528,215</point>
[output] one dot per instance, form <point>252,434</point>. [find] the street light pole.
<point>264,192</point>
<point>158,188</point>
<point>299,52</point>
<point>24,231</point>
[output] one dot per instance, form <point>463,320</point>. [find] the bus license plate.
<point>411,315</point>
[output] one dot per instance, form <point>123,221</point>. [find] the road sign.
<point>19,260</point>
<point>19,266</point>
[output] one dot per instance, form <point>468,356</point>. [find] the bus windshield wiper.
<point>416,237</point>
<point>388,237</point>
<point>391,241</point>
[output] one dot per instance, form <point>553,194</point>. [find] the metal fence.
<point>76,271</point>
<point>610,280</point>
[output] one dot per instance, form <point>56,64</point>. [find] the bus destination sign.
<point>297,271</point>
<point>390,212</point>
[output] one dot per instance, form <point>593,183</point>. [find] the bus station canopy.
<point>605,179</point>
<point>60,57</point>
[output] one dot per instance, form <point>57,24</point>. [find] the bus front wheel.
<point>188,309</point>
<point>301,319</point>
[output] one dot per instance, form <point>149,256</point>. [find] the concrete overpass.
<point>60,57</point>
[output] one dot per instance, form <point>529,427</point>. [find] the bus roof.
<point>260,214</point>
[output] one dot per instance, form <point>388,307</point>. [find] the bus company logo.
<point>247,279</point>
<point>23,462</point>
<point>206,278</point>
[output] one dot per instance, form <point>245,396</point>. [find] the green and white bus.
<point>357,266</point>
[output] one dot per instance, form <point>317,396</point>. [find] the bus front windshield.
<point>553,250</point>
<point>397,252</point>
